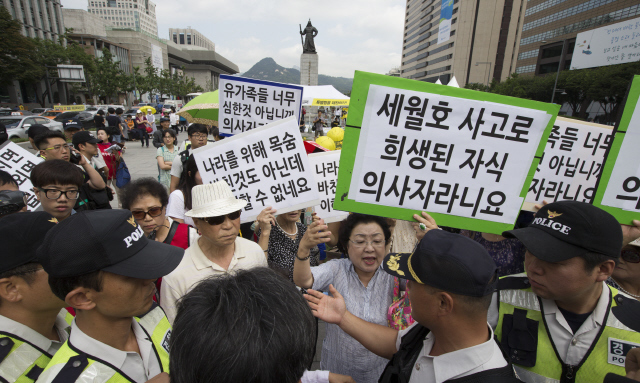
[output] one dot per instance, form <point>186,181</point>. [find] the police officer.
<point>451,280</point>
<point>560,321</point>
<point>33,322</point>
<point>104,267</point>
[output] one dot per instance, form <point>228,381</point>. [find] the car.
<point>11,112</point>
<point>131,112</point>
<point>51,114</point>
<point>17,126</point>
<point>39,111</point>
<point>84,119</point>
<point>94,109</point>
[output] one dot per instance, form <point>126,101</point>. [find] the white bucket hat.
<point>213,200</point>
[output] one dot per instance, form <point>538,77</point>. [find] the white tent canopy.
<point>323,95</point>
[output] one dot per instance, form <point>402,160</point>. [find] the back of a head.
<point>35,130</point>
<point>251,327</point>
<point>197,128</point>
<point>119,111</point>
<point>8,180</point>
<point>111,110</point>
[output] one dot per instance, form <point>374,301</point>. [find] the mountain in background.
<point>267,69</point>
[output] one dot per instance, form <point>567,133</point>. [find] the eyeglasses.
<point>55,193</point>
<point>56,148</point>
<point>631,256</point>
<point>198,137</point>
<point>376,243</point>
<point>153,212</point>
<point>213,221</point>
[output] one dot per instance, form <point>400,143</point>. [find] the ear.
<point>43,153</point>
<point>9,290</point>
<point>604,270</point>
<point>80,299</point>
<point>445,303</point>
<point>36,192</point>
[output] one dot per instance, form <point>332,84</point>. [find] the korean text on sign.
<point>265,167</point>
<point>247,104</point>
<point>571,163</point>
<point>19,162</point>
<point>444,154</point>
<point>325,169</point>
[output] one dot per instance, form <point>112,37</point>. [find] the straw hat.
<point>213,200</point>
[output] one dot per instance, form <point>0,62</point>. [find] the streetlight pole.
<point>558,72</point>
<point>489,76</point>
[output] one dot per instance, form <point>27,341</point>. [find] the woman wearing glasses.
<point>219,250</point>
<point>626,275</point>
<point>366,288</point>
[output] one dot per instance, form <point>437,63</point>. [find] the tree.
<point>45,55</point>
<point>149,81</point>
<point>108,75</point>
<point>15,50</point>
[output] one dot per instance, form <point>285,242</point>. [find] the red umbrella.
<point>312,147</point>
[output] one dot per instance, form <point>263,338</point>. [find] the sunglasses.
<point>631,256</point>
<point>153,212</point>
<point>220,219</point>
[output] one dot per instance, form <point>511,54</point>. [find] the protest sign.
<point>571,163</point>
<point>465,157</point>
<point>19,162</point>
<point>267,166</point>
<point>325,169</point>
<point>618,190</point>
<point>247,104</point>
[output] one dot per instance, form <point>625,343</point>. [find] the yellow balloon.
<point>336,134</point>
<point>326,142</point>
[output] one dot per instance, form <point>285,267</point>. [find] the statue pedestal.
<point>309,69</point>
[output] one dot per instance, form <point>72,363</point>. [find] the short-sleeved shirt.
<point>282,249</point>
<point>176,209</point>
<point>341,353</point>
<point>164,176</point>
<point>195,266</point>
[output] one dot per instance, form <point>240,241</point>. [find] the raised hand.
<point>330,309</point>
<point>316,234</point>
<point>266,218</point>
<point>424,224</point>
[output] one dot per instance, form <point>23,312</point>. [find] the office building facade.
<point>139,15</point>
<point>39,18</point>
<point>481,47</point>
<point>190,39</point>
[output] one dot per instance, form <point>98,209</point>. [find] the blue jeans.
<point>117,138</point>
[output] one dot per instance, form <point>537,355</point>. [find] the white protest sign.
<point>571,163</point>
<point>623,188</point>
<point>19,162</point>
<point>267,166</point>
<point>325,169</point>
<point>444,154</point>
<point>246,104</point>
<point>613,44</point>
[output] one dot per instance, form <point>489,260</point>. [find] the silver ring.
<point>423,227</point>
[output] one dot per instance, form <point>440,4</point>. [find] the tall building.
<point>39,18</point>
<point>550,28</point>
<point>482,45</point>
<point>190,39</point>
<point>139,15</point>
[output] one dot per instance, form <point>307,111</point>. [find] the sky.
<point>352,34</point>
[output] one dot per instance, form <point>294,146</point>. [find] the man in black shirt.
<point>98,119</point>
<point>115,125</point>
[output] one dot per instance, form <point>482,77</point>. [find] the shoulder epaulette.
<point>627,311</point>
<point>6,344</point>
<point>513,283</point>
<point>72,369</point>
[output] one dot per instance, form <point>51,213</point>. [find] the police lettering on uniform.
<point>559,321</point>
<point>450,280</point>
<point>102,265</point>
<point>33,321</point>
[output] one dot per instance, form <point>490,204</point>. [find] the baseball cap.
<point>138,111</point>
<point>448,262</point>
<point>73,126</point>
<point>163,119</point>
<point>567,229</point>
<point>36,129</point>
<point>20,235</point>
<point>107,240</point>
<point>83,137</point>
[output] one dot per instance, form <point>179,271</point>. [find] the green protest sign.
<point>465,157</point>
<point>619,187</point>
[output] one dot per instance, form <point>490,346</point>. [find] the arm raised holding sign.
<point>316,234</point>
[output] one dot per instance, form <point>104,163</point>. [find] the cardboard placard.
<point>19,162</point>
<point>325,169</point>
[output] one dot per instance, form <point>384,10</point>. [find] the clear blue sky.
<point>353,34</point>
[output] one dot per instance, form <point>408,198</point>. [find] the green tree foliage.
<point>15,50</point>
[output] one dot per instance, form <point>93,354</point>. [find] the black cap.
<point>448,262</point>
<point>108,240</point>
<point>73,126</point>
<point>164,119</point>
<point>567,229</point>
<point>20,235</point>
<point>83,137</point>
<point>36,129</point>
<point>11,201</point>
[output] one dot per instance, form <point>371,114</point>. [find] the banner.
<point>325,169</point>
<point>619,186</point>
<point>267,166</point>
<point>246,104</point>
<point>614,44</point>
<point>327,102</point>
<point>466,157</point>
<point>69,108</point>
<point>19,162</point>
<point>444,28</point>
<point>156,57</point>
<point>571,163</point>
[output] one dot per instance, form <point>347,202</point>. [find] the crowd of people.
<point>170,285</point>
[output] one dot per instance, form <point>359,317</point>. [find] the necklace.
<point>289,234</point>
<point>625,291</point>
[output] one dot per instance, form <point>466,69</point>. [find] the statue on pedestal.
<point>308,46</point>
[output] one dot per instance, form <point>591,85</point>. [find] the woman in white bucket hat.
<point>216,213</point>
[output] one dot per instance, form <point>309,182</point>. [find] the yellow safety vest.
<point>82,367</point>
<point>533,354</point>
<point>21,361</point>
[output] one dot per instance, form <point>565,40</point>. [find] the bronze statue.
<point>308,46</point>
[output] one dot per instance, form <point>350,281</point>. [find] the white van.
<point>175,103</point>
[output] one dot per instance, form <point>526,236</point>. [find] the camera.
<point>11,201</point>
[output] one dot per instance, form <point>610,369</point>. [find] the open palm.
<point>330,309</point>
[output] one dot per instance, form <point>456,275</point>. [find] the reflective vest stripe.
<point>19,361</point>
<point>99,373</point>
<point>532,377</point>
